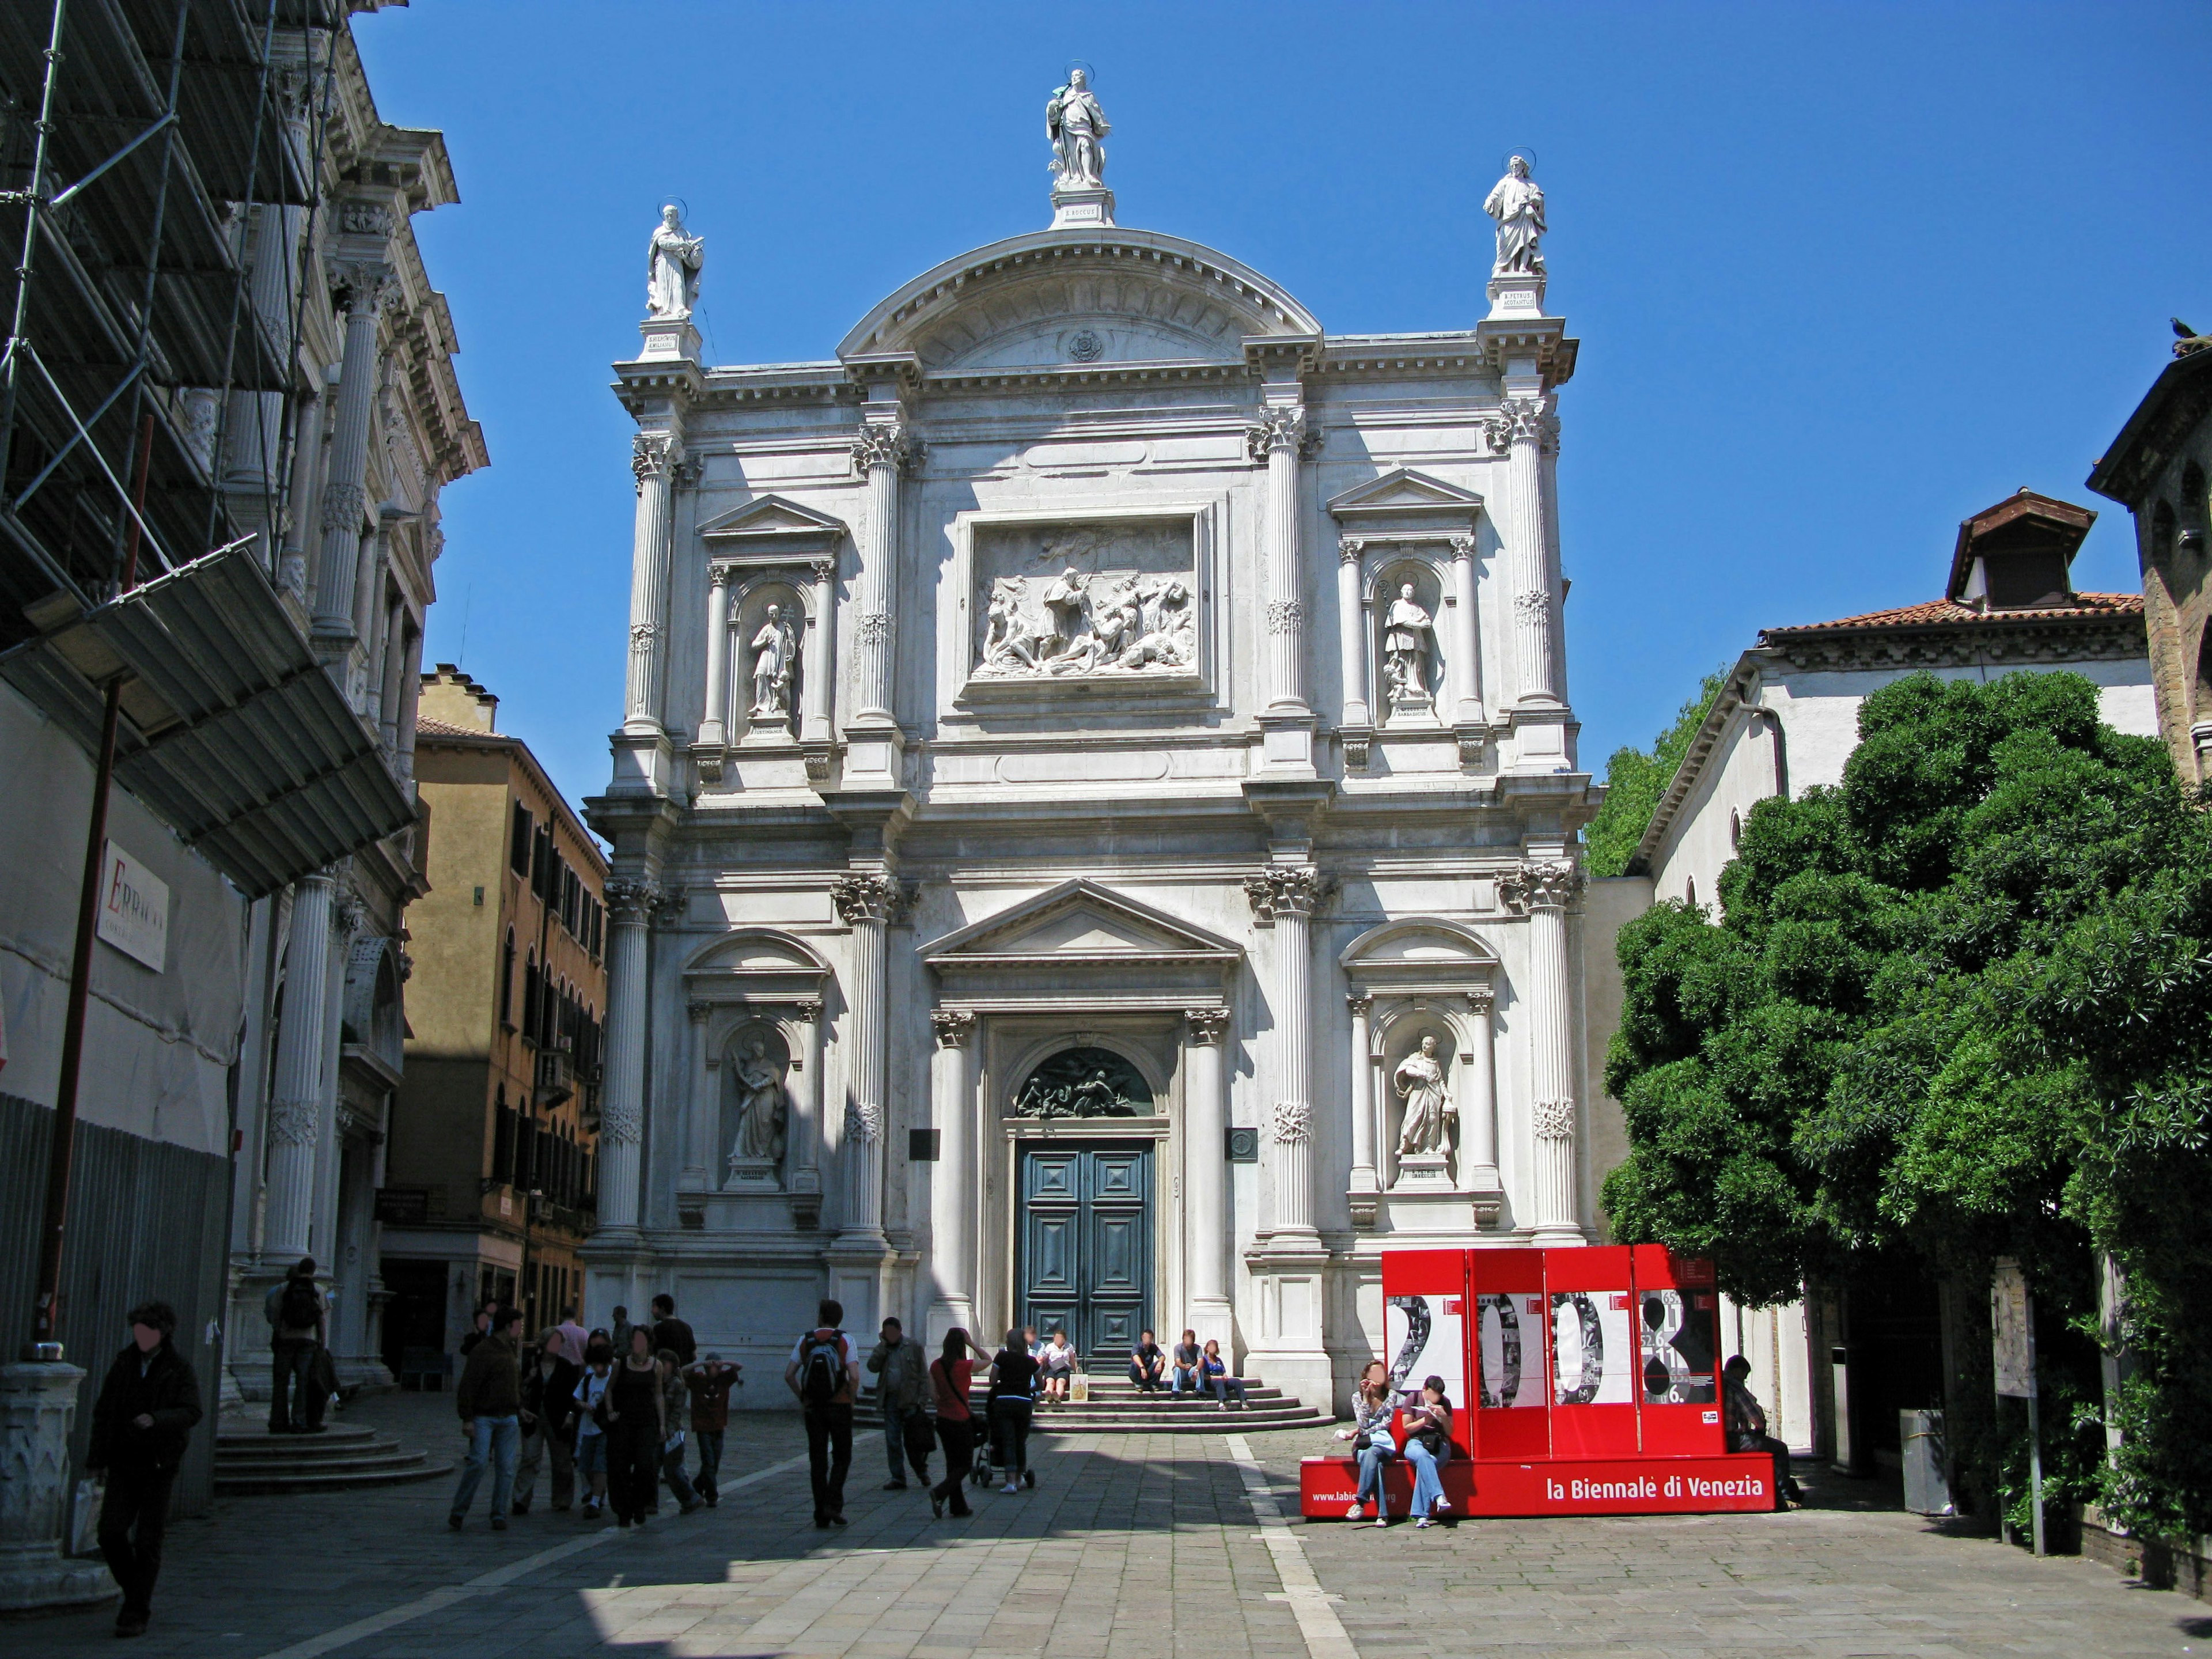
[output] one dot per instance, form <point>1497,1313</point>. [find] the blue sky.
<point>1841,275</point>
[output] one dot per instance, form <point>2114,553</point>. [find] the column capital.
<point>1541,885</point>
<point>1522,420</point>
<point>630,900</point>
<point>1281,427</point>
<point>1291,1122</point>
<point>1287,890</point>
<point>1359,1004</point>
<point>861,898</point>
<point>824,568</point>
<point>721,575</point>
<point>1462,547</point>
<point>809,1010</point>
<point>887,444</point>
<point>698,1012</point>
<point>953,1026</point>
<point>364,284</point>
<point>1349,548</point>
<point>654,455</point>
<point>1207,1026</point>
<point>1481,1000</point>
<point>668,906</point>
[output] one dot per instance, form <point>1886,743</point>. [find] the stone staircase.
<point>1117,1407</point>
<point>250,1459</point>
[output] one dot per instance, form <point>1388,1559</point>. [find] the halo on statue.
<point>682,207</point>
<point>1090,74</point>
<point>1505,162</point>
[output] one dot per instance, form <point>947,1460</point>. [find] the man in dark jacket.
<point>490,1400</point>
<point>549,1408</point>
<point>298,1313</point>
<point>140,1425</point>
<point>669,1332</point>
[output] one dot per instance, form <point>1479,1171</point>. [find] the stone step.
<point>343,1457</point>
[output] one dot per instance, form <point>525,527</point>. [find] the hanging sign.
<point>134,908</point>
<point>2010,1331</point>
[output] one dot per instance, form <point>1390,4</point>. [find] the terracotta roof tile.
<point>1948,613</point>
<point>427,727</point>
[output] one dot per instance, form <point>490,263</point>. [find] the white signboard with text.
<point>2010,1331</point>
<point>134,908</point>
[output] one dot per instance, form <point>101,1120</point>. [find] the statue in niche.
<point>1084,1082</point>
<point>1517,204</point>
<point>1431,1121</point>
<point>673,260</point>
<point>1408,638</point>
<point>762,1109</point>
<point>1078,129</point>
<point>775,654</point>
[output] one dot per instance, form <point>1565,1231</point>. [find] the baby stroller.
<point>979,1473</point>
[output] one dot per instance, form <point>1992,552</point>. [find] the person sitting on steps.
<point>1148,1365</point>
<point>1372,1442</point>
<point>1058,1363</point>
<point>1218,1379</point>
<point>1187,1366</point>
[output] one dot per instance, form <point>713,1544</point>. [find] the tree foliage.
<point>1634,781</point>
<point>1959,1007</point>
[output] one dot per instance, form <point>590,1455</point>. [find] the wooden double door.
<point>1085,1233</point>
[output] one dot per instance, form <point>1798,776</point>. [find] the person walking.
<point>489,1401</point>
<point>636,1430</point>
<point>669,1332</point>
<point>1010,1402</point>
<point>591,1398</point>
<point>549,1409</point>
<point>675,1411</point>
<point>952,1374</point>
<point>709,1382</point>
<point>573,1336</point>
<point>148,1407</point>
<point>298,1315</point>
<point>825,1373</point>
<point>903,1390</point>
<point>618,1330</point>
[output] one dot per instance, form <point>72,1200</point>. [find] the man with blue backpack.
<point>825,1373</point>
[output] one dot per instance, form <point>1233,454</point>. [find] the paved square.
<point>1154,1546</point>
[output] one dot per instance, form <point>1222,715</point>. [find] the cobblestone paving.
<point>1131,1547</point>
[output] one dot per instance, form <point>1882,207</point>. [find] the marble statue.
<point>673,261</point>
<point>761,1108</point>
<point>1078,129</point>
<point>1430,1116</point>
<point>776,650</point>
<point>1517,205</point>
<point>1116,620</point>
<point>1408,637</point>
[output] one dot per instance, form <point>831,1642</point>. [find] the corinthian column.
<point>866,902</point>
<point>296,1101</point>
<point>654,457</point>
<point>882,452</point>
<point>1524,428</point>
<point>1545,888</point>
<point>951,1196</point>
<point>344,498</point>
<point>1284,897</point>
<point>1276,438</point>
<point>1205,1160</point>
<point>621,1102</point>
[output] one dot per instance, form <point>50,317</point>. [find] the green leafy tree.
<point>1634,781</point>
<point>1959,1007</point>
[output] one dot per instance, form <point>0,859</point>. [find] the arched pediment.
<point>755,966</point>
<point>1418,952</point>
<point>1076,298</point>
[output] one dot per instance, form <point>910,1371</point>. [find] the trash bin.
<point>1920,1438</point>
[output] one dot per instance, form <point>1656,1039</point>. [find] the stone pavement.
<point>1131,1547</point>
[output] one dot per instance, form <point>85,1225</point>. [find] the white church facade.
<point>1095,818</point>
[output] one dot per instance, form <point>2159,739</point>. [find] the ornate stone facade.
<point>1210,770</point>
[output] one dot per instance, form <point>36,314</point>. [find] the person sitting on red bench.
<point>1429,1446</point>
<point>1372,1442</point>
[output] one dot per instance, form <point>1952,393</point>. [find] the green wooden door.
<point>1086,1233</point>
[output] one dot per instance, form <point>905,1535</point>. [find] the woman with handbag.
<point>1428,1446</point>
<point>632,1408</point>
<point>1371,1440</point>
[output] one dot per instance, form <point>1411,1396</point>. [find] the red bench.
<point>1613,1485</point>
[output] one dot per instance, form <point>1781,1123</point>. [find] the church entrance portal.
<point>1084,1257</point>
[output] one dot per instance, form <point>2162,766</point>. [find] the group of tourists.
<point>1188,1368</point>
<point>614,1410</point>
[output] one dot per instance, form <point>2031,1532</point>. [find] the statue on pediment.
<point>1077,126</point>
<point>673,259</point>
<point>1516,202</point>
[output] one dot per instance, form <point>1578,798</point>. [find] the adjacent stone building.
<point>489,1170</point>
<point>1095,818</point>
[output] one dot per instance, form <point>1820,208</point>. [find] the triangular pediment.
<point>773,519</point>
<point>1077,922</point>
<point>1403,491</point>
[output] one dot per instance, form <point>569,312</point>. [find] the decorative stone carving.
<point>1124,600</point>
<point>824,569</point>
<point>1360,1007</point>
<point>341,505</point>
<point>1517,203</point>
<point>363,285</point>
<point>1084,1082</point>
<point>348,914</point>
<point>628,899</point>
<point>1540,885</point>
<point>1554,1119</point>
<point>953,1026</point>
<point>1207,1026</point>
<point>885,444</point>
<point>294,1122</point>
<point>620,1121</point>
<point>810,1012</point>
<point>1431,1122</point>
<point>1348,549</point>
<point>1532,606</point>
<point>673,260</point>
<point>365,219</point>
<point>1282,427</point>
<point>668,906</point>
<point>864,1123</point>
<point>1481,1001</point>
<point>775,665</point>
<point>652,456</point>
<point>1408,652</point>
<point>1521,420</point>
<point>698,1012</point>
<point>1292,1123</point>
<point>1076,127</point>
<point>866,898</point>
<point>1287,890</point>
<point>1284,616</point>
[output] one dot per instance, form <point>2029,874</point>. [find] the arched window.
<point>529,994</point>
<point>1736,829</point>
<point>507,980</point>
<point>1690,892</point>
<point>2161,536</point>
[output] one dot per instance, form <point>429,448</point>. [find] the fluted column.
<point>304,501</point>
<point>654,457</point>
<point>1478,1111</point>
<point>1284,896</point>
<point>705,1166</point>
<point>718,654</point>
<point>814,692</point>
<point>1364,1177</point>
<point>1467,648</point>
<point>1205,1163</point>
<point>296,1101</point>
<point>1523,427</point>
<point>1352,632</point>
<point>952,1183</point>
<point>344,497</point>
<point>882,452</point>
<point>621,1101</point>
<point>1277,438</point>
<point>806,1125</point>
<point>866,902</point>
<point>393,664</point>
<point>1545,888</point>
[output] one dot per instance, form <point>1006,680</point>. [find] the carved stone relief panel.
<point>1110,603</point>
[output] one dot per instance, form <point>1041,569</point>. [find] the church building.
<point>1095,817</point>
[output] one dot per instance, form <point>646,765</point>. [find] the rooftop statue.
<point>1517,204</point>
<point>672,261</point>
<point>1078,129</point>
